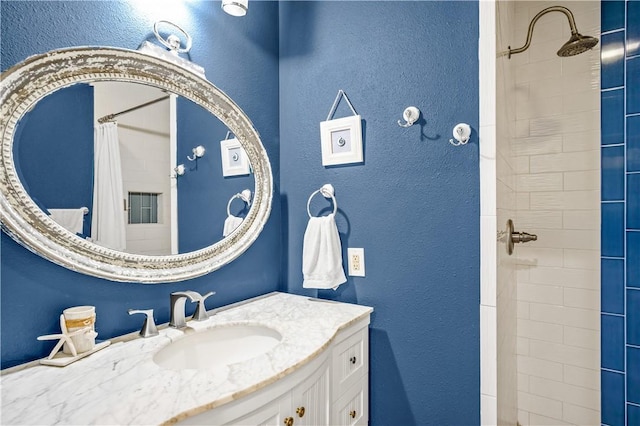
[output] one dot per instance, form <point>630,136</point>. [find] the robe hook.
<point>410,115</point>
<point>461,134</point>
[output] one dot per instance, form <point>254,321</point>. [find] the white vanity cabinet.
<point>316,374</point>
<point>350,405</point>
<point>306,404</point>
<point>332,389</point>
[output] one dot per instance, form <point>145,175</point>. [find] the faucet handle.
<point>149,328</point>
<point>187,293</point>
<point>201,311</point>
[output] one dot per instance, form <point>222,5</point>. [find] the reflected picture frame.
<point>341,141</point>
<point>234,158</point>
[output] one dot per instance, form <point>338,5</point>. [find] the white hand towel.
<point>322,254</point>
<point>70,219</point>
<point>230,224</point>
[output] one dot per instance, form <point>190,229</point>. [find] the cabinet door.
<point>272,414</point>
<point>311,399</point>
<point>352,407</point>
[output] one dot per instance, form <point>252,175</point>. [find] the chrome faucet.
<point>178,300</point>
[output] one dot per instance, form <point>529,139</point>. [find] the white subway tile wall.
<point>556,158</point>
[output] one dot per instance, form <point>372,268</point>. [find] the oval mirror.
<point>173,223</point>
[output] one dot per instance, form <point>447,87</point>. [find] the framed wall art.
<point>234,158</point>
<point>341,139</point>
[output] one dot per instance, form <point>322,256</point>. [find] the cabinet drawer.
<point>350,361</point>
<point>352,407</point>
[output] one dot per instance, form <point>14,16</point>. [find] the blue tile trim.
<point>613,400</point>
<point>633,27</point>
<point>612,286</point>
<point>620,283</point>
<point>612,116</point>
<point>633,201</point>
<point>633,143</point>
<point>633,317</point>
<point>633,252</point>
<point>612,229</point>
<point>612,165</point>
<point>612,15</point>
<point>633,414</point>
<point>612,331</point>
<point>633,375</point>
<point>612,59</point>
<point>633,90</point>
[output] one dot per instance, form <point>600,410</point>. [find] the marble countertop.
<point>122,385</point>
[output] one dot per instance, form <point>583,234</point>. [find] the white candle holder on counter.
<point>77,337</point>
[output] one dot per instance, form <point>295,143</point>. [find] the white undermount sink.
<point>217,347</point>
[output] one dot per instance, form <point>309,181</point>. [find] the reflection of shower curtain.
<point>107,224</point>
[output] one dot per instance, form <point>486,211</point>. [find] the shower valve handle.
<point>511,237</point>
<point>523,237</point>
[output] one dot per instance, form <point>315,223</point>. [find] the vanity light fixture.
<point>235,7</point>
<point>198,152</point>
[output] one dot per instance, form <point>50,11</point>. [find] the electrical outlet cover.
<point>356,261</point>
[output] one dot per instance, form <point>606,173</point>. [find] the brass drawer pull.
<point>300,411</point>
<point>352,413</point>
<point>288,421</point>
<point>352,359</point>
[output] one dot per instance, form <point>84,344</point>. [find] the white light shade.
<point>235,7</point>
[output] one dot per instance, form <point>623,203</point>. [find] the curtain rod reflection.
<point>110,117</point>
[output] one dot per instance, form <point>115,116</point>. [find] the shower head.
<point>577,43</point>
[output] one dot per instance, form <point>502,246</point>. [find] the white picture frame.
<point>234,158</point>
<point>341,141</point>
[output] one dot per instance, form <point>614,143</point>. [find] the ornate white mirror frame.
<point>22,86</point>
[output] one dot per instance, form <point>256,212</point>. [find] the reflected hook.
<point>198,152</point>
<point>410,115</point>
<point>178,171</point>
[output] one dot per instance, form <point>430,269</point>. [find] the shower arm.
<point>567,12</point>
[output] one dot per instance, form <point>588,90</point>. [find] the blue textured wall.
<point>241,57</point>
<point>413,205</point>
<point>620,212</point>
<point>60,126</point>
<point>206,202</point>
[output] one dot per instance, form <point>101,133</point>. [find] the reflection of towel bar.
<point>245,196</point>
<point>85,210</point>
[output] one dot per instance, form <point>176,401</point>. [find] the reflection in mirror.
<point>159,213</point>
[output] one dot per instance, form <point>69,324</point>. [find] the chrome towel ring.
<point>327,191</point>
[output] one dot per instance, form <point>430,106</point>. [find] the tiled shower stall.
<point>547,174</point>
<point>566,137</point>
